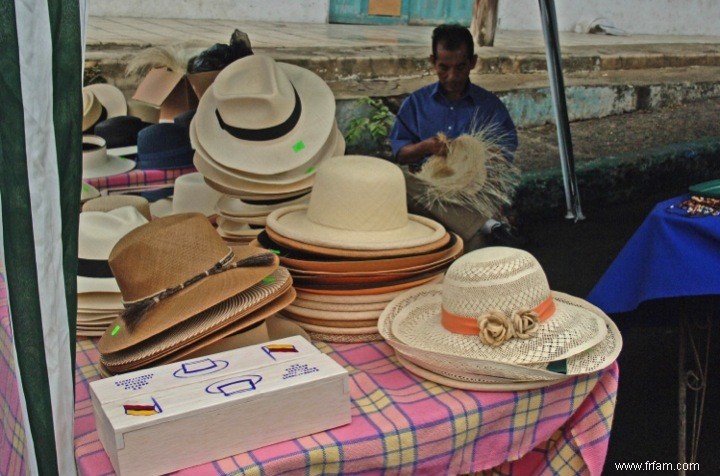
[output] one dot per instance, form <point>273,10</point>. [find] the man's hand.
<point>412,153</point>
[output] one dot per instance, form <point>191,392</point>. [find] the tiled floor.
<point>139,31</point>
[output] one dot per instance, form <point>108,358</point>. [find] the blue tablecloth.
<point>670,255</point>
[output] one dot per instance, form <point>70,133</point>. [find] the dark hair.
<point>453,37</point>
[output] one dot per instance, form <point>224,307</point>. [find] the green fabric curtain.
<point>40,181</point>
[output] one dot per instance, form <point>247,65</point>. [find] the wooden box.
<point>167,418</point>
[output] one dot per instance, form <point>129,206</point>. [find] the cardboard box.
<point>171,417</point>
<point>173,92</point>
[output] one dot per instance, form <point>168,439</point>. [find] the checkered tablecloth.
<point>403,424</point>
<point>138,179</point>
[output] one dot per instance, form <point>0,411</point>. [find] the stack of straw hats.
<point>184,290</point>
<point>354,247</point>
<point>495,325</point>
<point>259,134</point>
<point>99,300</point>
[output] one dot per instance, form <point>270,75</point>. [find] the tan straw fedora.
<point>92,110</point>
<point>357,203</point>
<point>98,233</point>
<point>174,268</point>
<point>495,306</point>
<point>111,202</point>
<point>264,117</point>
<point>98,163</point>
<point>110,97</point>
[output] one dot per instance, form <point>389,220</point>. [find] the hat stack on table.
<point>184,290</point>
<point>99,300</point>
<point>494,324</point>
<point>259,134</point>
<point>354,247</point>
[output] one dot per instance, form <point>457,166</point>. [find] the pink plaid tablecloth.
<point>403,424</point>
<point>138,179</point>
<point>12,439</point>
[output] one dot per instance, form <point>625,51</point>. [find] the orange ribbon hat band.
<point>458,324</point>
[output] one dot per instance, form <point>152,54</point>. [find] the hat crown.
<point>358,193</point>
<point>494,278</point>
<point>165,253</point>
<point>192,194</point>
<point>254,93</point>
<point>94,152</point>
<point>99,231</point>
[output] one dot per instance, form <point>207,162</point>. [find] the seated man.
<point>453,106</point>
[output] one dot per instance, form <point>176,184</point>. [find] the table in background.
<point>671,255</point>
<point>402,424</point>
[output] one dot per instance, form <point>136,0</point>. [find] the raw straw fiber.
<point>475,174</point>
<point>239,309</point>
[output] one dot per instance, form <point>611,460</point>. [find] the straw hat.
<point>88,192</point>
<point>495,308</point>
<point>111,98</point>
<point>111,202</point>
<point>97,235</point>
<point>357,203</point>
<point>191,195</point>
<point>97,162</point>
<point>235,207</point>
<point>174,268</point>
<point>92,110</point>
<point>264,117</point>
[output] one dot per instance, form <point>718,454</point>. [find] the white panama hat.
<point>97,162</point>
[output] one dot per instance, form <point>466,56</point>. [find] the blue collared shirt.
<point>427,111</point>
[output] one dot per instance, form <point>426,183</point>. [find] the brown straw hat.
<point>172,269</point>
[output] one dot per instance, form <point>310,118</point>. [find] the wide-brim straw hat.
<point>236,314</point>
<point>357,203</point>
<point>504,292</point>
<point>98,163</point>
<point>334,146</point>
<point>234,207</point>
<point>190,195</point>
<point>92,110</point>
<point>174,268</point>
<point>100,301</point>
<point>112,202</point>
<point>234,229</point>
<point>98,233</point>
<point>345,338</point>
<point>264,117</point>
<point>111,98</point>
<point>88,192</point>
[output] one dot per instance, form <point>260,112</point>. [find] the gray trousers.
<point>461,220</point>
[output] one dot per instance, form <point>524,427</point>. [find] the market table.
<point>402,424</point>
<point>671,255</point>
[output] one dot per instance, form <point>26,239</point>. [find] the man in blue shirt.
<point>453,106</point>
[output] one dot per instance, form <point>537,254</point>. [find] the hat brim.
<point>334,146</point>
<point>334,315</point>
<point>412,320</point>
<point>237,208</point>
<point>189,302</point>
<point>161,208</point>
<point>288,152</point>
<point>113,166</point>
<point>382,295</point>
<point>111,98</point>
<point>100,301</point>
<point>97,285</point>
<point>333,307</point>
<point>345,338</point>
<point>336,330</point>
<point>293,222</point>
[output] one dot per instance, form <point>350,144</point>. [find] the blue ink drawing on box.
<point>234,385</point>
<point>134,383</point>
<point>296,370</point>
<point>200,367</point>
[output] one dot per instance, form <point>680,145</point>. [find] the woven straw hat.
<point>235,207</point>
<point>92,110</point>
<point>97,235</point>
<point>97,162</point>
<point>357,203</point>
<point>191,195</point>
<point>494,305</point>
<point>111,98</point>
<point>111,202</point>
<point>264,117</point>
<point>174,268</point>
<point>88,192</point>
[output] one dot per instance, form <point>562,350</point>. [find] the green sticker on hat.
<point>115,330</point>
<point>85,187</point>
<point>269,280</point>
<point>298,146</point>
<point>310,170</point>
<point>277,252</point>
